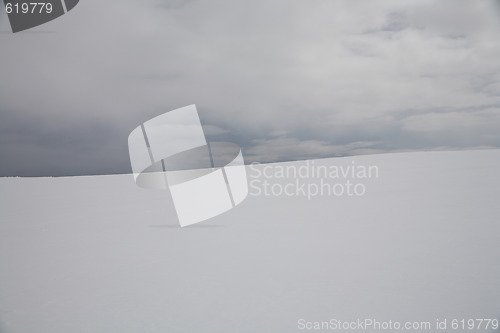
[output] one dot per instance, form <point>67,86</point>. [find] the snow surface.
<point>98,254</point>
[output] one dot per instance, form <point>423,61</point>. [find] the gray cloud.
<point>284,79</point>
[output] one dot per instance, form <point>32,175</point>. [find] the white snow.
<point>98,254</point>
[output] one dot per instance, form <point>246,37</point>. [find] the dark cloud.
<point>62,146</point>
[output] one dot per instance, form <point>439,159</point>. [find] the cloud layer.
<point>284,79</point>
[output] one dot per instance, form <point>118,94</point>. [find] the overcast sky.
<point>285,80</point>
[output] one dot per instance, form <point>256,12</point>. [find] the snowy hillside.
<point>98,254</point>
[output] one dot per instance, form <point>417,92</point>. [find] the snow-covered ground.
<point>98,254</point>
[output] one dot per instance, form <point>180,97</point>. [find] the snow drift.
<point>98,254</point>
